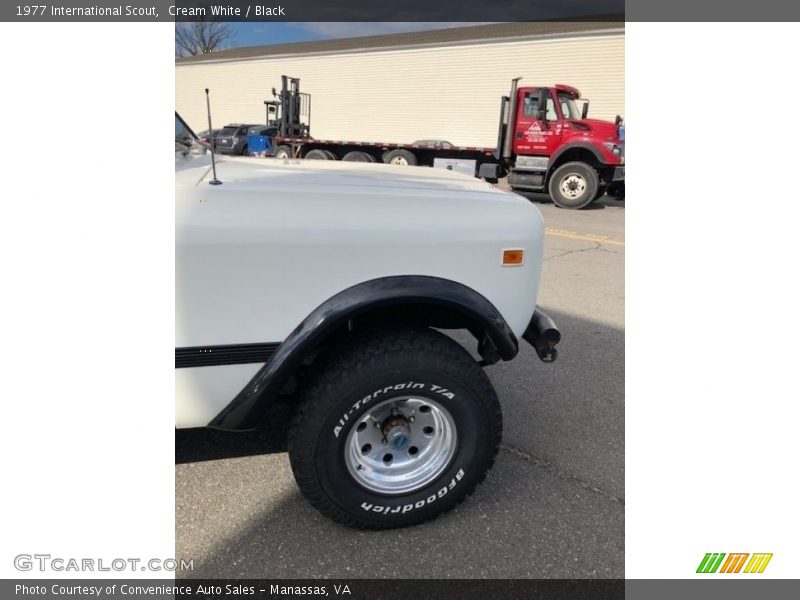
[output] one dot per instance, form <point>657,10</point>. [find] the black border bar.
<point>408,10</point>
<point>699,588</point>
<point>345,589</point>
<point>311,10</point>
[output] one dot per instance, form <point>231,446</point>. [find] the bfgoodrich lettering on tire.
<point>393,428</point>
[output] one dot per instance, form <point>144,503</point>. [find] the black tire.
<point>318,154</point>
<point>399,157</point>
<point>283,151</point>
<point>579,174</point>
<point>366,373</point>
<point>617,189</point>
<point>601,191</point>
<point>357,156</point>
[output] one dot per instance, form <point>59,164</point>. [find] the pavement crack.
<point>576,251</point>
<point>552,470</point>
<point>608,250</point>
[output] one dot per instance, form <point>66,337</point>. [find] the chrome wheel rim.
<point>572,186</point>
<point>398,160</point>
<point>400,445</point>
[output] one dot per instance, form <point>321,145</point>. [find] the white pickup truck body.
<point>257,254</point>
<point>324,287</point>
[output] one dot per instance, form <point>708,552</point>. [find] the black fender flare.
<point>247,408</point>
<point>572,146</point>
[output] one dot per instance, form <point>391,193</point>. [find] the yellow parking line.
<point>587,237</point>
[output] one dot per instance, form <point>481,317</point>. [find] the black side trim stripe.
<point>232,354</point>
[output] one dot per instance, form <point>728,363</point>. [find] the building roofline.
<point>457,36</point>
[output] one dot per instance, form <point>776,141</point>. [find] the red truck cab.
<point>554,147</point>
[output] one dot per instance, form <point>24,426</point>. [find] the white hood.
<point>274,176</point>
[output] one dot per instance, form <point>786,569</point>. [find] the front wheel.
<point>394,428</point>
<point>573,185</point>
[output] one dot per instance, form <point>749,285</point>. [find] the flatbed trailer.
<point>388,152</point>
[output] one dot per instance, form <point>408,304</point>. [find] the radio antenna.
<point>214,181</point>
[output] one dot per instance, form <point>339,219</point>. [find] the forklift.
<point>291,109</point>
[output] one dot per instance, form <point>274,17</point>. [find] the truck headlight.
<point>613,148</point>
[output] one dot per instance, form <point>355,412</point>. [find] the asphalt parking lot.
<point>553,506</point>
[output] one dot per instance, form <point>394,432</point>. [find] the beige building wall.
<point>402,95</point>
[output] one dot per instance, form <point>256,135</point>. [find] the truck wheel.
<point>400,157</point>
<point>617,189</point>
<point>394,428</point>
<point>318,154</point>
<point>283,151</point>
<point>601,191</point>
<point>357,156</point>
<point>573,185</point>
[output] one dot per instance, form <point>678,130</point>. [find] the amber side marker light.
<point>513,258</point>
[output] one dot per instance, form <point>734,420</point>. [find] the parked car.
<point>205,135</point>
<point>232,139</point>
<point>331,282</point>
